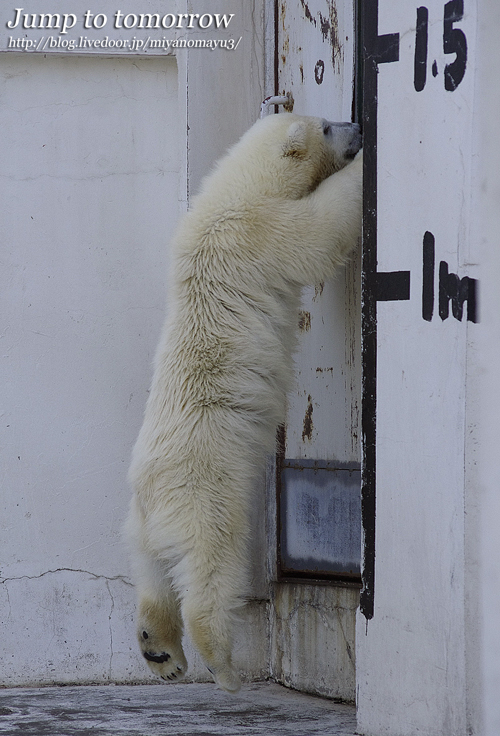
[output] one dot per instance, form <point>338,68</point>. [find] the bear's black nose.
<point>356,141</point>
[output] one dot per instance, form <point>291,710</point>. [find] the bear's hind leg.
<point>159,631</point>
<point>159,622</point>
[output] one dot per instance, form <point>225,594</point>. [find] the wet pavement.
<point>158,710</point>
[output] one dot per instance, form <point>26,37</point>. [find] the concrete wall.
<point>312,638</point>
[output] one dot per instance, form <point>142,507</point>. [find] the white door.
<point>319,475</point>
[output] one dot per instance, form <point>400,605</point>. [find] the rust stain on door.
<point>304,321</point>
<point>328,25</point>
<point>307,428</point>
<point>285,44</point>
<point>318,290</point>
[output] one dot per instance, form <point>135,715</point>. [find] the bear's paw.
<point>165,659</point>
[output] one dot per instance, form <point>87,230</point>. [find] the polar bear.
<point>281,210</point>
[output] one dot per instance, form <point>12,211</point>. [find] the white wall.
<point>90,190</point>
<point>97,163</point>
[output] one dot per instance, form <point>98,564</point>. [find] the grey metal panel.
<point>320,517</point>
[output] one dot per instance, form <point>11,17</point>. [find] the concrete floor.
<point>158,710</point>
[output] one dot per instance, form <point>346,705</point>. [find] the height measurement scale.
<point>419,295</point>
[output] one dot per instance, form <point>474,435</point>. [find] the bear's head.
<point>327,144</point>
<point>281,156</point>
<point>288,155</point>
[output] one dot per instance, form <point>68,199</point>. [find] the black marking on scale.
<point>375,50</point>
<point>393,286</point>
<point>457,291</point>
<point>452,288</point>
<point>421,43</point>
<point>428,260</point>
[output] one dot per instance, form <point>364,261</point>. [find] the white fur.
<point>271,218</point>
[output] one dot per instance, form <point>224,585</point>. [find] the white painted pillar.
<point>412,667</point>
<point>488,188</point>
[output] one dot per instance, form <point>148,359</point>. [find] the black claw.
<point>156,657</point>
<point>179,669</point>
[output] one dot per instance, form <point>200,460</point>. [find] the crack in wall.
<point>110,669</point>
<point>122,578</point>
<point>9,615</point>
<point>75,625</point>
<point>331,618</point>
<point>97,176</point>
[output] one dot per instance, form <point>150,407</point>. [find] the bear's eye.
<point>327,128</point>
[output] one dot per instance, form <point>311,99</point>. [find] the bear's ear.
<point>296,142</point>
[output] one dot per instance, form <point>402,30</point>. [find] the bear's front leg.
<point>211,594</point>
<point>209,629</point>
